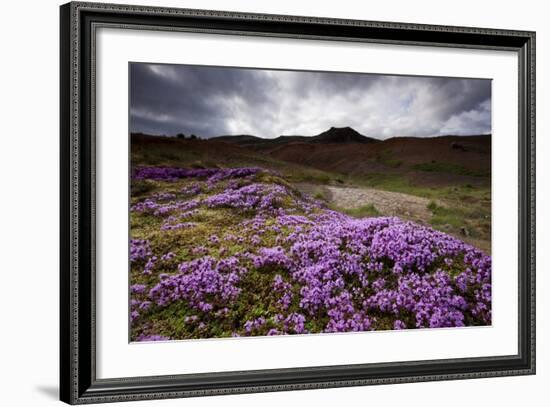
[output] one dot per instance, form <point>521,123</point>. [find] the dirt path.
<point>387,203</point>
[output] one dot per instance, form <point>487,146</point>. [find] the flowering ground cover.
<point>240,252</point>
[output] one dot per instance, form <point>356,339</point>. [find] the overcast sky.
<point>214,101</point>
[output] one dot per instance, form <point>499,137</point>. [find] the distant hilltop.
<point>332,135</point>
<point>342,135</point>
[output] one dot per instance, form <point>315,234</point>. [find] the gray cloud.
<point>213,101</point>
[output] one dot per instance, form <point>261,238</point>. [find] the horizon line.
<point>189,136</point>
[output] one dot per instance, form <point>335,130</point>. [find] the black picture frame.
<point>78,382</point>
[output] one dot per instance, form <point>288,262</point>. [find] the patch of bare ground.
<point>386,203</point>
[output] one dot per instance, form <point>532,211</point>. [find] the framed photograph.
<point>255,203</point>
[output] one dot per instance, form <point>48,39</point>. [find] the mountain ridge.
<point>332,135</point>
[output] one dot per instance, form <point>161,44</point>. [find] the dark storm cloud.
<point>212,101</point>
<point>170,99</point>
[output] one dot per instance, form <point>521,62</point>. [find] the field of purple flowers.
<point>240,252</point>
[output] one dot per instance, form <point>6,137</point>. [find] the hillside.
<point>443,182</point>
<point>221,252</point>
<point>214,153</point>
<point>466,157</point>
<point>430,161</point>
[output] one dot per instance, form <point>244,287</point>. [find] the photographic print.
<point>272,202</point>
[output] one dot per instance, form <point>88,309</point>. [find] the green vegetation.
<point>402,183</point>
<point>448,168</point>
<point>361,212</point>
<point>447,216</point>
<point>385,157</point>
<point>470,222</point>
